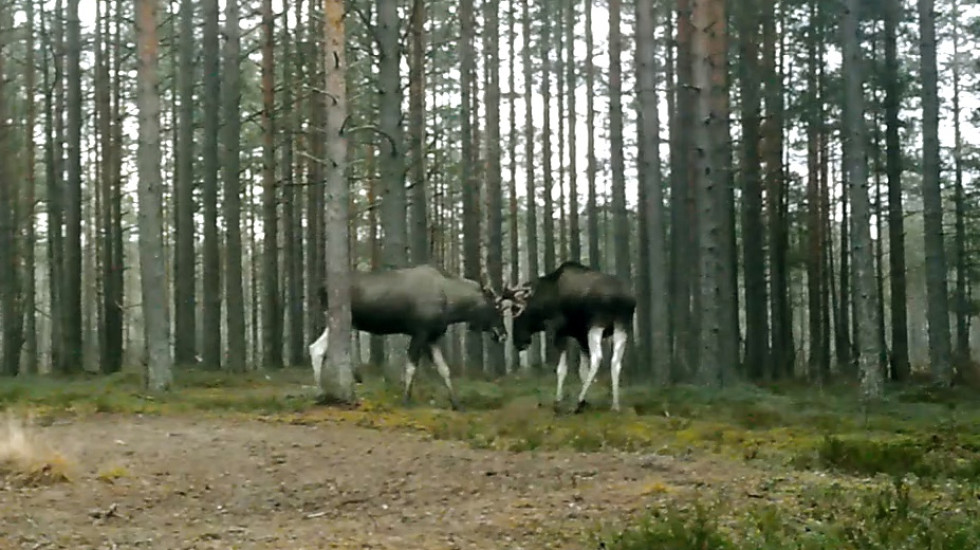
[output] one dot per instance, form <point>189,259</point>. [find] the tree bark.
<point>338,385</point>
<point>185,272</point>
<point>855,141</point>
<point>211,344</point>
<point>271,308</point>
<point>471,217</point>
<point>961,304</point>
<point>153,277</point>
<point>534,351</point>
<point>495,250</point>
<point>72,302</point>
<point>754,238</point>
<point>896,216</point>
<point>708,51</point>
<point>231,170</point>
<point>419,228</point>
<point>654,239</point>
<point>937,297</point>
<point>592,227</point>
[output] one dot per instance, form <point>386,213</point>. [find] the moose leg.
<point>561,371</point>
<point>318,350</point>
<point>415,351</point>
<point>443,369</point>
<point>595,359</point>
<point>619,349</point>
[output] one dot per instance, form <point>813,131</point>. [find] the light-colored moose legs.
<point>595,359</point>
<point>318,352</point>
<point>561,371</point>
<point>443,368</point>
<point>620,335</point>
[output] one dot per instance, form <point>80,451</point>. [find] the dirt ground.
<point>183,483</point>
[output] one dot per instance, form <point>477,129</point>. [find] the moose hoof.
<point>582,405</point>
<point>455,405</point>
<point>556,407</point>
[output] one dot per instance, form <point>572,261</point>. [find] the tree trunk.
<point>937,299</point>
<point>592,227</point>
<point>754,260</point>
<point>153,276</point>
<point>29,289</point>
<point>184,258</point>
<point>896,216</point>
<point>782,349</point>
<point>393,204</point>
<point>683,234</point>
<point>495,250</point>
<point>621,230</point>
<point>534,351</point>
<point>471,217</point>
<point>338,385</point>
<point>962,350</point>
<point>855,140</point>
<point>10,298</point>
<point>211,344</point>
<point>419,230</point>
<point>655,273</point>
<point>231,169</point>
<point>574,231</point>
<point>271,308</point>
<point>708,52</point>
<point>72,302</point>
<point>819,366</point>
<point>292,208</point>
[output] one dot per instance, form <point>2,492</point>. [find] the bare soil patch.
<point>181,482</point>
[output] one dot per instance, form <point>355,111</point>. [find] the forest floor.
<point>252,463</point>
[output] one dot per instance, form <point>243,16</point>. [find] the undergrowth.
<point>892,516</point>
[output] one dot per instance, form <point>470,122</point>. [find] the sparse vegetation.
<point>894,515</point>
<point>840,448</point>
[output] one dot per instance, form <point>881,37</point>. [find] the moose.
<point>420,302</point>
<point>580,303</point>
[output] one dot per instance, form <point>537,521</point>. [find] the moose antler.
<point>518,296</point>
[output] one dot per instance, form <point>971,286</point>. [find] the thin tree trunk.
<point>471,219</point>
<point>291,208</point>
<point>185,272</point>
<point>72,302</point>
<point>29,288</point>
<point>896,216</point>
<point>211,342</point>
<point>419,231</point>
<point>231,163</point>
<point>153,275</point>
<point>937,298</point>
<point>754,266</point>
<point>339,384</point>
<point>574,231</point>
<point>621,230</point>
<point>864,285</point>
<point>534,351</point>
<point>655,273</point>
<point>962,349</point>
<point>271,308</point>
<point>592,227</point>
<point>495,250</point>
<point>819,366</point>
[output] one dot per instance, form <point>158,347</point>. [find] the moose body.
<point>578,303</point>
<point>420,302</point>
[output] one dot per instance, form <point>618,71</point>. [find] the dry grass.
<point>28,460</point>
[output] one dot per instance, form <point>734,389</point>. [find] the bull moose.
<point>420,302</point>
<point>580,303</point>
